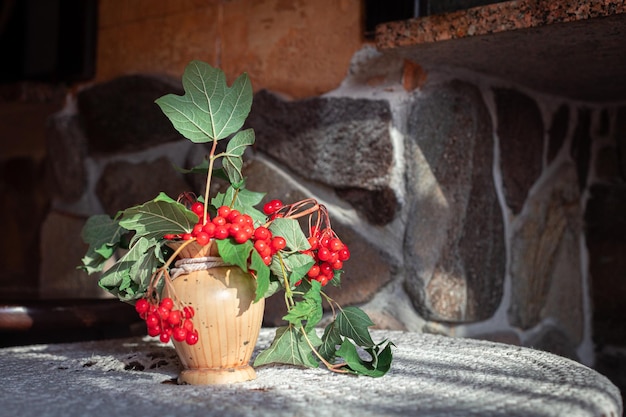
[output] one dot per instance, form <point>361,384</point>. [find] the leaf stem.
<point>212,158</point>
<point>334,368</point>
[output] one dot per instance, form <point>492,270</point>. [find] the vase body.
<point>227,319</point>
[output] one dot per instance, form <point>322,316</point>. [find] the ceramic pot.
<point>226,317</point>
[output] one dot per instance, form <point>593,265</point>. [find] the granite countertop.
<point>431,376</point>
<point>572,48</point>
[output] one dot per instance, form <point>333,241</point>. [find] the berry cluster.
<point>329,253</point>
<point>227,223</point>
<point>166,322</point>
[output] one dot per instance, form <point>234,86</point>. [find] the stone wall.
<point>472,207</point>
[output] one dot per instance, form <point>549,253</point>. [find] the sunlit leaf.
<point>158,217</point>
<point>209,109</point>
<point>291,348</point>
<point>235,253</point>
<point>232,161</point>
<point>292,232</point>
<point>352,322</point>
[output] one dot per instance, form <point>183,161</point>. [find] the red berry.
<point>202,238</point>
<point>175,317</point>
<point>313,242</point>
<point>198,208</point>
<point>142,306</point>
<point>323,254</point>
<point>167,303</point>
<point>154,331</point>
<point>343,254</point>
<point>219,220</point>
<point>165,337</point>
<point>222,232</point>
<point>187,236</point>
<point>337,264</point>
<point>188,325</point>
<point>169,236</point>
<point>152,321</point>
<point>179,334</point>
<point>335,244</point>
<point>188,312</point>
<point>241,236</point>
<point>314,271</point>
<point>272,207</point>
<point>209,229</point>
<point>233,215</point>
<point>262,233</point>
<point>223,211</point>
<point>278,243</point>
<point>192,337</point>
<point>196,229</point>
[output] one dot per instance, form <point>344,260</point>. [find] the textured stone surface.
<point>61,252</point>
<point>66,148</point>
<point>520,130</point>
<point>342,142</point>
<point>544,244</point>
<point>605,219</point>
<point>124,184</point>
<point>454,246</point>
<point>558,131</point>
<point>120,115</point>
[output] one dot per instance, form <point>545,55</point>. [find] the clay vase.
<point>226,317</point>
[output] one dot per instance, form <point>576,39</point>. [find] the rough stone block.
<point>521,131</point>
<point>124,184</point>
<point>545,255</point>
<point>66,148</point>
<point>454,248</point>
<point>61,251</point>
<point>344,143</point>
<point>121,116</point>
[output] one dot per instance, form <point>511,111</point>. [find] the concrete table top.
<point>431,376</point>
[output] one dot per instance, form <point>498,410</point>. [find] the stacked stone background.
<point>472,207</point>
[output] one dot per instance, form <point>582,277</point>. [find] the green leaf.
<point>235,253</point>
<point>352,322</point>
<point>292,232</point>
<point>129,274</point>
<point>377,367</point>
<point>232,161</point>
<point>294,265</point>
<point>243,200</point>
<point>309,309</point>
<point>209,109</point>
<point>158,217</point>
<point>262,273</point>
<point>330,340</point>
<point>291,348</point>
<point>103,235</point>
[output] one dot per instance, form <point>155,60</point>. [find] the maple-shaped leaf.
<point>158,217</point>
<point>209,109</point>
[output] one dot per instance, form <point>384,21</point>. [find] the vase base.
<point>215,376</point>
